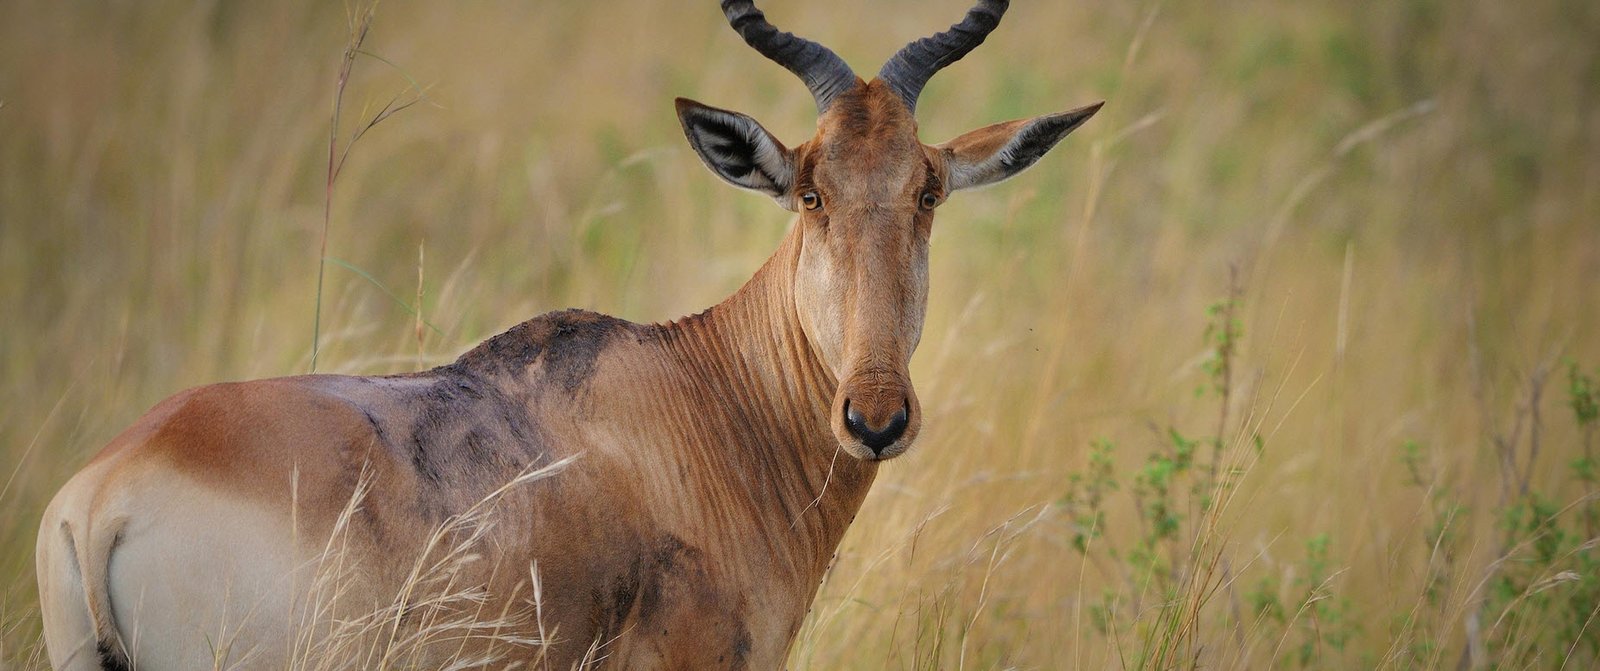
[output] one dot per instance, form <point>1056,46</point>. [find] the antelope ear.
<point>994,153</point>
<point>738,149</point>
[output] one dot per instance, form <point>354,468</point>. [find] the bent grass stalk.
<point>360,24</point>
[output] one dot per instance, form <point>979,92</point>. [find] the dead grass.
<point>1407,191</point>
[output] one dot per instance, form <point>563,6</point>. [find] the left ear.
<point>996,152</point>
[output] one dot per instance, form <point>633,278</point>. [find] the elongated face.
<point>866,188</point>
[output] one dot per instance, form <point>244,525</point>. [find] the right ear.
<point>738,149</point>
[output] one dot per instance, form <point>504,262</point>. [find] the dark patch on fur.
<point>565,344</point>
<point>457,429</point>
<point>624,593</point>
<point>477,445</point>
<point>512,351</point>
<point>645,593</point>
<point>614,600</point>
<point>111,659</point>
<point>741,648</point>
<point>666,565</point>
<point>438,411</point>
<point>575,340</point>
<point>377,427</point>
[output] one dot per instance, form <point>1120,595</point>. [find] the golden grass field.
<point>1405,192</point>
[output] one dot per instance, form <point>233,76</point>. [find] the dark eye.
<point>929,200</point>
<point>811,200</point>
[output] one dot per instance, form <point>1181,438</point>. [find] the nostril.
<point>876,438</point>
<point>898,422</point>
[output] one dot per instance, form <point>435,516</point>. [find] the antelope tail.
<point>94,560</point>
<point>74,558</point>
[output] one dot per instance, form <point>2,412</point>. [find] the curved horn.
<point>823,71</point>
<point>909,70</point>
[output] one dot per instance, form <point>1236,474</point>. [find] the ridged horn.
<point>910,69</point>
<point>823,71</point>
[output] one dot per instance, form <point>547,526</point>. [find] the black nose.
<point>876,439</point>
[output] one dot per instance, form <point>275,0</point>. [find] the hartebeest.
<point>709,497</point>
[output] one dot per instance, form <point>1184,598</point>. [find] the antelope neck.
<point>753,362</point>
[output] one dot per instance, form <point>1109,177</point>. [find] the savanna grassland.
<point>1286,359</point>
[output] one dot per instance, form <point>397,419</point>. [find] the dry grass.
<point>1407,191</point>
<point>440,618</point>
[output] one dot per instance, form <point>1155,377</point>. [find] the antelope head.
<point>866,188</point>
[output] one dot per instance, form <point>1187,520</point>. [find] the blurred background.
<point>1281,360</point>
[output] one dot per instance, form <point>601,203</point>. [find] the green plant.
<point>1542,585</point>
<point>1327,614</point>
<point>1175,561</point>
<point>1545,591</point>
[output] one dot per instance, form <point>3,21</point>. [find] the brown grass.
<point>1407,191</point>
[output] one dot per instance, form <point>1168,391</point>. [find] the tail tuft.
<point>112,659</point>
